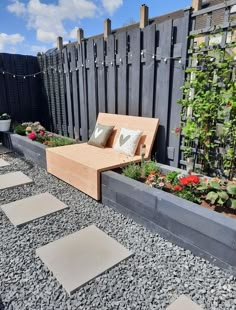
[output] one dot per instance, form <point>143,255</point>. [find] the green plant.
<point>20,129</point>
<point>4,117</point>
<point>149,166</point>
<point>132,171</point>
<point>172,177</point>
<point>55,141</point>
<point>210,95</point>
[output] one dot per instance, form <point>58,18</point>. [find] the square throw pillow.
<point>127,141</point>
<point>100,135</point>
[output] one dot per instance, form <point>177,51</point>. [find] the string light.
<point>157,57</point>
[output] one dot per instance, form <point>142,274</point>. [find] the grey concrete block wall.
<point>30,149</point>
<point>204,232</point>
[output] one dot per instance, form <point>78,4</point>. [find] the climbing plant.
<point>209,112</point>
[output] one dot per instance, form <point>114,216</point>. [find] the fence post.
<point>196,5</point>
<point>143,16</point>
<point>107,28</point>
<point>80,35</point>
<point>59,43</point>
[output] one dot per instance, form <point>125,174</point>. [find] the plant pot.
<point>5,125</point>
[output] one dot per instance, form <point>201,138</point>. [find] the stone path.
<point>75,259</point>
<point>14,179</point>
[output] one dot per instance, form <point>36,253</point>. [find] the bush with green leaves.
<point>132,171</point>
<point>149,166</point>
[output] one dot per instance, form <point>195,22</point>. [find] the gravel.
<point>152,279</point>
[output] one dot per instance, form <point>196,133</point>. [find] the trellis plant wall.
<point>133,71</point>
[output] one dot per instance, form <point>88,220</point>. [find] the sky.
<point>31,26</point>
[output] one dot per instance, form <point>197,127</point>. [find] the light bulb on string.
<point>14,76</point>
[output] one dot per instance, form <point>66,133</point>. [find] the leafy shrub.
<point>59,141</point>
<point>20,129</point>
<point>149,166</point>
<point>132,171</point>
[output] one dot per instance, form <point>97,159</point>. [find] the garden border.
<point>31,150</point>
<point>204,232</point>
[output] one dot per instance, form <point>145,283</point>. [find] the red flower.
<point>32,136</point>
<point>189,179</point>
<point>177,188</point>
<point>41,133</point>
<point>177,130</point>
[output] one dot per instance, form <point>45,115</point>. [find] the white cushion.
<point>127,141</point>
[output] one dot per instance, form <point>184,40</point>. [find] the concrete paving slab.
<point>82,256</point>
<point>183,303</point>
<point>13,179</point>
<point>3,163</point>
<point>26,210</point>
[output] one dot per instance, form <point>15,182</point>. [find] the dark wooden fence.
<point>20,94</point>
<point>134,71</point>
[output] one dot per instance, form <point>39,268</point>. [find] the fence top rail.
<point>216,7</point>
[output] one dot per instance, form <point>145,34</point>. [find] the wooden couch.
<point>81,164</point>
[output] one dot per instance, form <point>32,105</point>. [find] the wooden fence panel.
<point>148,52</point>
<point>163,83</point>
<point>134,71</point>
<point>121,63</point>
<point>101,79</point>
<point>111,75</point>
<point>68,92</point>
<point>73,66</point>
<point>91,85</point>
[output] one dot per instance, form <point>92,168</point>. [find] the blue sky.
<point>29,26</point>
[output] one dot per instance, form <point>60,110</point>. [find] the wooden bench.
<point>81,165</point>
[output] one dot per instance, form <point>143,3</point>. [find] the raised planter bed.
<point>204,232</point>
<point>32,150</point>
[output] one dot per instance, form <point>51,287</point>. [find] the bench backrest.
<point>149,127</point>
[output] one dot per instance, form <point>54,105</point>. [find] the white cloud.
<point>9,40</point>
<point>38,48</point>
<point>17,7</point>
<point>47,19</point>
<point>73,33</point>
<point>112,5</point>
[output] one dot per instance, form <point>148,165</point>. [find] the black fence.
<point>135,71</point>
<point>20,92</point>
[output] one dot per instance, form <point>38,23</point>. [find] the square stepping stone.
<point>3,163</point>
<point>26,210</point>
<point>183,303</point>
<point>13,179</point>
<point>82,256</point>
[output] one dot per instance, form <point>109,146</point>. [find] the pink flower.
<point>32,136</point>
<point>51,134</point>
<point>41,133</point>
<point>177,130</point>
<point>161,184</point>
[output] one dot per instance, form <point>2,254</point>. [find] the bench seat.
<point>81,165</point>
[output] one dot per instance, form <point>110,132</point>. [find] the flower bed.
<point>31,141</point>
<point>206,233</point>
<point>213,193</point>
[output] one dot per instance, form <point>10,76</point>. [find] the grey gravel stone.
<point>152,279</point>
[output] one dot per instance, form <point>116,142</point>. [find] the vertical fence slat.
<point>111,75</point>
<point>82,92</point>
<point>62,93</point>
<point>75,95</point>
<point>122,81</point>
<point>3,90</point>
<point>134,72</point>
<point>91,85</point>
<point>101,75</point>
<point>163,85</point>
<point>178,80</point>
<point>68,93</point>
<point>148,70</point>
<point>49,72</point>
<point>56,85</point>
